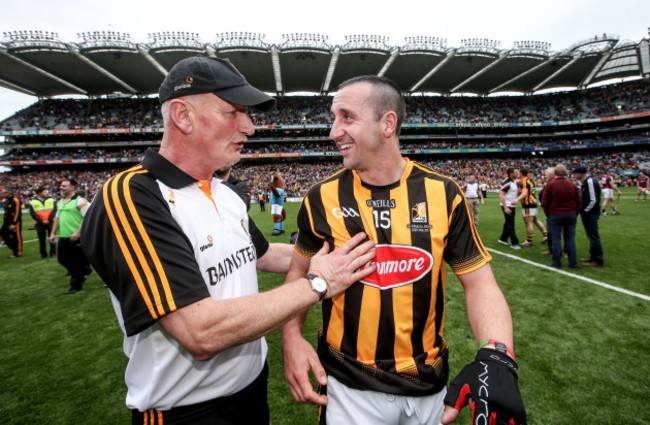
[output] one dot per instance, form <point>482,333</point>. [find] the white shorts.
<point>348,406</point>
<point>276,209</point>
<point>608,193</point>
<point>528,212</point>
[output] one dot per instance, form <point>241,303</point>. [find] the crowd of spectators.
<point>604,101</point>
<point>623,98</point>
<point>316,148</point>
<point>100,155</point>
<point>23,184</point>
<point>611,100</point>
<point>299,176</point>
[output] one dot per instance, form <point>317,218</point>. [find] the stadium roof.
<point>100,63</point>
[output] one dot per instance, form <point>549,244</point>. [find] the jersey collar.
<point>165,171</point>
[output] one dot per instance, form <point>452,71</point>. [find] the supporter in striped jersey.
<point>529,208</point>
<point>381,356</point>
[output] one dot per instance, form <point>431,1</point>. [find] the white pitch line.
<point>575,276</point>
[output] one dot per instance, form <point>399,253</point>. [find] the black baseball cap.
<point>201,74</point>
<point>580,170</point>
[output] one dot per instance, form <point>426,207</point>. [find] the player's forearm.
<point>487,309</point>
<point>299,268</point>
<point>293,328</point>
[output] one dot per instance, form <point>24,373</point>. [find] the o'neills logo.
<point>398,265</point>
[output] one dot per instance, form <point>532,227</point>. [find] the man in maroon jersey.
<point>608,185</point>
<point>641,186</point>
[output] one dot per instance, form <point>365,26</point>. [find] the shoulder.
<point>126,189</point>
<point>126,181</point>
<point>339,175</point>
<point>423,172</point>
<point>428,172</point>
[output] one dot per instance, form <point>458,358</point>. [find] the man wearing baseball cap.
<point>590,214</point>
<point>178,252</point>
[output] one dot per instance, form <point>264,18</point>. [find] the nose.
<point>246,125</point>
<point>336,132</point>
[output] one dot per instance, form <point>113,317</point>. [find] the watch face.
<point>319,284</point>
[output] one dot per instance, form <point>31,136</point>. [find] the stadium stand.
<point>606,127</point>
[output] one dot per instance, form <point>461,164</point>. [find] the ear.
<point>389,123</point>
<point>182,115</point>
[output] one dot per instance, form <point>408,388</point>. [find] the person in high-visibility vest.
<point>68,221</point>
<point>12,224</point>
<point>43,209</point>
<point>261,199</point>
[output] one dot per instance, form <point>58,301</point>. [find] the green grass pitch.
<point>583,349</point>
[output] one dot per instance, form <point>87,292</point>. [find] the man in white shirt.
<point>474,197</point>
<point>179,255</point>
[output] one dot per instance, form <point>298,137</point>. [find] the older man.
<point>174,246</point>
<point>562,202</point>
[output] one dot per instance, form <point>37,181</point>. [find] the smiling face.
<point>67,188</point>
<point>356,129</point>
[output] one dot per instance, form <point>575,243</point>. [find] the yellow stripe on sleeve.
<point>112,182</point>
<point>169,297</point>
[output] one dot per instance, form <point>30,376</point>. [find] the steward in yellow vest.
<point>43,210</point>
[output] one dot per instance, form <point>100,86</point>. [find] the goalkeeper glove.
<point>491,382</point>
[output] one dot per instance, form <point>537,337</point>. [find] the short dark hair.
<point>510,170</point>
<point>524,172</point>
<point>71,180</point>
<point>387,96</point>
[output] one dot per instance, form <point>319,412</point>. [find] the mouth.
<point>344,146</point>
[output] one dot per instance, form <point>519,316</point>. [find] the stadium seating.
<point>606,128</point>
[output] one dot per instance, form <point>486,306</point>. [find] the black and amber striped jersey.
<point>385,333</point>
<point>529,201</point>
<point>162,240</point>
<point>12,211</point>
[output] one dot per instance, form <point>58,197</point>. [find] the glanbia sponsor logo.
<point>398,265</point>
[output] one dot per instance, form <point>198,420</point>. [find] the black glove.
<point>491,382</point>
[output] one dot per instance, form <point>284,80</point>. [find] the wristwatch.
<point>318,285</point>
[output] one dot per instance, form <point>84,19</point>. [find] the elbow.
<point>203,351</point>
<point>201,347</point>
<point>201,356</point>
